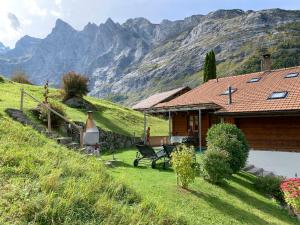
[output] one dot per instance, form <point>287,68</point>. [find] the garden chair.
<point>169,149</point>
<point>146,152</point>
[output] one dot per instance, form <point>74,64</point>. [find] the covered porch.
<point>187,124</point>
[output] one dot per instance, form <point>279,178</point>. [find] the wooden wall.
<point>180,124</point>
<point>271,133</point>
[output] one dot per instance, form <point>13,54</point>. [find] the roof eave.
<point>260,113</point>
<point>206,106</point>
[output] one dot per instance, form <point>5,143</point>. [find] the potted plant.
<point>291,190</point>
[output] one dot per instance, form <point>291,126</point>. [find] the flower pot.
<point>298,216</point>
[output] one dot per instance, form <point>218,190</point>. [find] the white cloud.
<point>55,13</point>
<point>58,2</point>
<point>35,9</point>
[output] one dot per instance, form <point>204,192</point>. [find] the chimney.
<point>229,95</point>
<point>266,62</point>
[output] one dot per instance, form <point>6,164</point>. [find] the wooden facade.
<point>271,133</point>
<point>279,133</point>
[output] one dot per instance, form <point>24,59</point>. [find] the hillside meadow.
<point>108,116</point>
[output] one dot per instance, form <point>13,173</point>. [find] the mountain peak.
<point>109,22</point>
<point>90,26</point>
<point>60,24</point>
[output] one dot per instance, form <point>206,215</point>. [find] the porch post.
<point>145,127</point>
<point>199,128</point>
<point>170,127</point>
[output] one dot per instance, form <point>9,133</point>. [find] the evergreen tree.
<point>210,70</point>
<point>213,72</point>
<point>206,68</point>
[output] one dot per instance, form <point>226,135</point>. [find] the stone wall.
<point>108,140</point>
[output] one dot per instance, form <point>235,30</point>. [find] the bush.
<point>74,85</point>
<point>215,165</point>
<point>291,190</point>
<point>183,160</point>
<point>56,121</point>
<point>2,79</point>
<point>270,185</point>
<point>228,137</point>
<point>20,77</point>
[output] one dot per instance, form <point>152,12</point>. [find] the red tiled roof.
<point>158,98</point>
<point>249,97</point>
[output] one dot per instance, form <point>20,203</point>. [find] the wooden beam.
<point>145,127</point>
<point>199,128</point>
<point>170,127</point>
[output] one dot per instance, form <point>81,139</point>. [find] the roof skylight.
<point>253,80</point>
<point>291,75</point>
<point>278,95</point>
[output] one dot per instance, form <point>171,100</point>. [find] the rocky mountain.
<point>129,61</point>
<point>3,49</point>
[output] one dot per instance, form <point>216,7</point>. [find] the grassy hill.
<point>44,183</point>
<point>108,116</point>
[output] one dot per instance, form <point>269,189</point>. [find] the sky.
<point>37,17</point>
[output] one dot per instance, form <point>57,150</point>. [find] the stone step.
<point>64,140</point>
<point>73,145</point>
<point>53,135</point>
<point>248,167</point>
<point>256,171</point>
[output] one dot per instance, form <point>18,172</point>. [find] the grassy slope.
<point>109,116</point>
<point>236,202</point>
<point>44,183</point>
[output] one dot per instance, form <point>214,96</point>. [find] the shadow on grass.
<point>108,123</point>
<point>251,200</point>
<point>238,214</point>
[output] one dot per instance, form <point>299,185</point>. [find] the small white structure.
<point>91,135</point>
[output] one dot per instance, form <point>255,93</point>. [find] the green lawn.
<point>235,202</point>
<point>109,116</point>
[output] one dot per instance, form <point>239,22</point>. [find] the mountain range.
<point>129,61</point>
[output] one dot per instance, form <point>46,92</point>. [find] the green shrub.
<point>183,161</point>
<point>270,185</point>
<point>56,121</point>
<point>74,85</point>
<point>228,137</point>
<point>20,77</point>
<point>215,165</point>
<point>2,80</point>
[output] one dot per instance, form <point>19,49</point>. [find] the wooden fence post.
<point>49,120</point>
<point>22,99</point>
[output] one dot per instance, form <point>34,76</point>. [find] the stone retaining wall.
<point>108,140</point>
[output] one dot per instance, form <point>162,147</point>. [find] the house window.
<point>227,91</point>
<point>253,80</point>
<point>291,75</point>
<point>278,95</point>
<point>193,123</point>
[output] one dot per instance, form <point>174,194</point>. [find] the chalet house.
<point>160,98</point>
<point>264,105</point>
